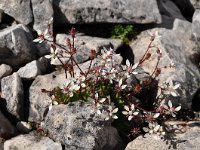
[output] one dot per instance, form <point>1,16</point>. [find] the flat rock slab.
<point>106,11</point>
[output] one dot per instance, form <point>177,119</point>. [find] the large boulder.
<point>19,10</point>
<point>112,11</point>
<point>16,46</point>
<point>7,130</point>
<point>12,91</point>
<point>77,127</point>
<point>31,142</point>
<point>178,47</point>
<point>42,12</point>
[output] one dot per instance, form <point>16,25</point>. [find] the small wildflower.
<point>171,110</point>
<point>130,112</point>
<point>112,113</point>
<point>53,56</point>
<point>41,36</point>
<point>172,88</point>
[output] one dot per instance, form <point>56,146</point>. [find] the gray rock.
<point>76,127</point>
<point>1,15</point>
<point>112,11</point>
<point>16,45</point>
<point>19,10</point>
<point>5,70</point>
<point>12,92</point>
<point>42,12</point>
<point>196,26</point>
<point>148,142</point>
<point>184,140</point>
<point>169,12</point>
<point>7,130</point>
<point>33,69</point>
<point>84,44</point>
<point>195,3</point>
<point>177,47</point>
<point>40,102</point>
<point>31,142</point>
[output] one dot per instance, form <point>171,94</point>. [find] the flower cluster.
<point>104,83</point>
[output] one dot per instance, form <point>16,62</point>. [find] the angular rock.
<point>16,46</point>
<point>178,47</point>
<point>195,3</point>
<point>12,92</point>
<point>112,11</point>
<point>31,142</point>
<point>5,70</point>
<point>42,12</point>
<point>7,130</point>
<point>169,12</point>
<point>77,127</point>
<point>19,10</point>
<point>196,26</point>
<point>186,8</point>
<point>84,44</point>
<point>40,102</point>
<point>33,69</point>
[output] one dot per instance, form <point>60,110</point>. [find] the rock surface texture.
<point>27,78</point>
<point>20,10</point>
<point>79,128</point>
<point>13,93</point>
<point>16,45</point>
<point>31,142</point>
<point>110,11</point>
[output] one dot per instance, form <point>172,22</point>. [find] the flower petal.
<point>115,117</point>
<point>135,66</point>
<point>170,103</point>
<point>156,115</point>
<point>130,118</point>
<point>120,82</point>
<point>115,110</point>
<point>128,63</point>
<point>126,108</point>
<point>176,86</point>
<point>178,108</point>
<point>124,112</point>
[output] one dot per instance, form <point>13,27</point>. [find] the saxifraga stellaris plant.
<point>104,83</point>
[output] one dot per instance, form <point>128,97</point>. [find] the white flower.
<point>154,128</point>
<point>172,88</point>
<point>53,56</point>
<point>130,68</point>
<point>130,112</point>
<point>41,36</point>
<point>112,113</point>
<point>172,110</point>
